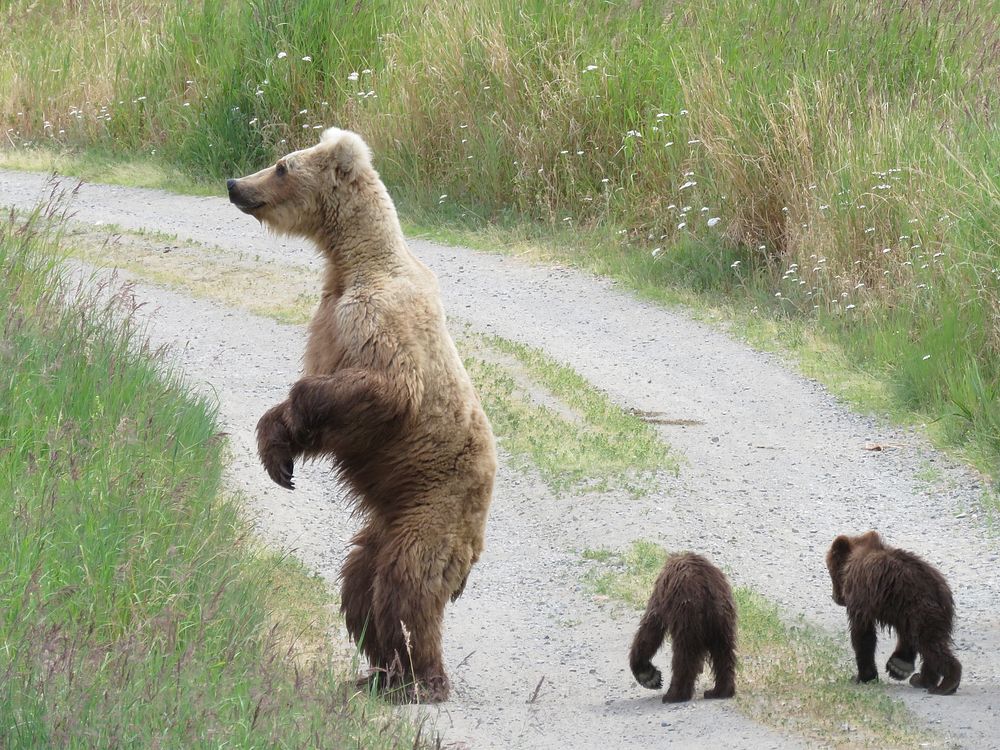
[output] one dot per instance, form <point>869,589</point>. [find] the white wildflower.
<point>713,221</point>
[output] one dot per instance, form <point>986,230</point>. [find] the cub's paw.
<point>867,676</point>
<point>677,696</point>
<point>898,668</point>
<point>947,687</point>
<point>275,446</point>
<point>723,692</point>
<point>649,677</point>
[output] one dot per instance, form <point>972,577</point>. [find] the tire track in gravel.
<point>775,469</point>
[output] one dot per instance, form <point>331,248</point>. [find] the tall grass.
<point>837,161</point>
<point>135,608</point>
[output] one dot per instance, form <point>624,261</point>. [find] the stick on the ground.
<point>537,688</point>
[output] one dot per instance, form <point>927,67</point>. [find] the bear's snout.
<point>240,198</point>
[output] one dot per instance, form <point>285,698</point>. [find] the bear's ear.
<point>841,546</point>
<point>348,154</point>
<point>871,539</point>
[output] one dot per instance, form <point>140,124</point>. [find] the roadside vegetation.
<point>827,171</point>
<point>136,607</point>
<point>790,676</point>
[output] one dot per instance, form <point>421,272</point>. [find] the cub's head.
<point>302,191</point>
<point>839,553</point>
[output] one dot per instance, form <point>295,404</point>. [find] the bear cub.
<point>692,601</point>
<point>883,586</point>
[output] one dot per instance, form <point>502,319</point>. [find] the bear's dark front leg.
<point>864,641</point>
<point>903,660</point>
<point>343,414</point>
<point>277,446</point>
<point>647,641</point>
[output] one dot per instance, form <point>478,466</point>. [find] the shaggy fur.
<point>887,587</point>
<point>385,395</point>
<point>691,601</point>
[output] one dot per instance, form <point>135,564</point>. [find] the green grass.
<point>791,676</point>
<point>99,166</point>
<point>546,415</point>
<point>136,608</point>
<point>847,190</point>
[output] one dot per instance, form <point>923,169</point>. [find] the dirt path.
<point>775,469</point>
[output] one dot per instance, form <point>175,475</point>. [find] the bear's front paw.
<point>898,668</point>
<point>275,446</point>
<point>868,675</point>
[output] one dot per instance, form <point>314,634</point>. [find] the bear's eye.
<point>281,170</point>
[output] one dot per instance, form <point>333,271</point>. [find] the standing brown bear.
<point>385,395</point>
<point>693,602</point>
<point>894,588</point>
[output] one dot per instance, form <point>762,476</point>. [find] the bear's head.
<point>302,191</point>
<point>840,552</point>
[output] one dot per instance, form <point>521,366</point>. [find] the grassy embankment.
<point>790,676</point>
<point>136,609</point>
<point>828,171</point>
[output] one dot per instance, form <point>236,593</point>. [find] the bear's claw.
<point>282,475</point>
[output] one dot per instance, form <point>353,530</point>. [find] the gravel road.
<point>774,469</point>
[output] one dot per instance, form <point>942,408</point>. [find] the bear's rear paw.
<point>920,680</point>
<point>649,677</point>
<point>720,692</point>
<point>677,696</point>
<point>898,668</point>
<point>947,687</point>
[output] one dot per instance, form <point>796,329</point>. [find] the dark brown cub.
<point>883,586</point>
<point>693,603</point>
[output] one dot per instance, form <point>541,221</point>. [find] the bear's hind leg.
<point>941,662</point>
<point>723,656</point>
<point>357,583</point>
<point>685,666</point>
<point>404,598</point>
